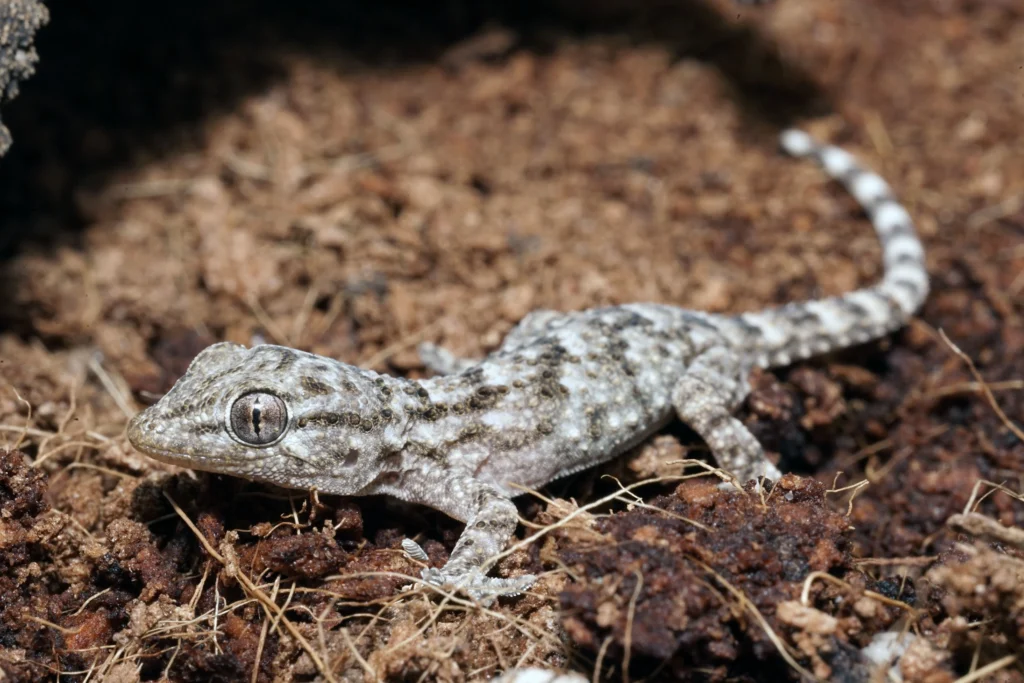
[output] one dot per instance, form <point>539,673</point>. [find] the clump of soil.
<point>662,589</point>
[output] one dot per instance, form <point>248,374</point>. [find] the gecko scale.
<point>564,392</point>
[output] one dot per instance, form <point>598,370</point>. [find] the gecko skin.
<point>564,392</point>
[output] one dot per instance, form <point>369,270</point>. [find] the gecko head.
<point>270,414</point>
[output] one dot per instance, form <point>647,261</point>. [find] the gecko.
<point>563,392</point>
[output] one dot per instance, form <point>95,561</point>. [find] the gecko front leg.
<point>487,532</point>
<point>491,520</point>
<point>713,386</point>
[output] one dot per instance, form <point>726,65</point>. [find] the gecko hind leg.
<point>713,386</point>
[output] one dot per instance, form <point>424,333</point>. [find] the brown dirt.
<point>353,180</point>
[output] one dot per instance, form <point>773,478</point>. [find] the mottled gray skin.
<point>563,393</point>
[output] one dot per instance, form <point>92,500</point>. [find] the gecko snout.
<point>140,429</point>
<point>145,433</point>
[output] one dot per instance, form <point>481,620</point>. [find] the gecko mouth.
<point>171,456</point>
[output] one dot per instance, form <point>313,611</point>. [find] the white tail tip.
<point>796,142</point>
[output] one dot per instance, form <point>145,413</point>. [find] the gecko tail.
<point>781,335</point>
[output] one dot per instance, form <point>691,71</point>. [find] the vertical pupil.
<point>256,417</point>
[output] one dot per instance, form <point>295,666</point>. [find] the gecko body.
<point>565,391</point>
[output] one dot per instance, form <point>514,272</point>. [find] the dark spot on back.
<point>628,319</point>
<point>698,321</point>
<point>748,327</point>
<point>473,375</point>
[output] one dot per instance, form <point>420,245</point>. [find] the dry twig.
<point>985,389</point>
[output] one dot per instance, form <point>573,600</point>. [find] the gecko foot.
<point>478,586</point>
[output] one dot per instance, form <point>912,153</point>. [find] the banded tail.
<point>778,336</point>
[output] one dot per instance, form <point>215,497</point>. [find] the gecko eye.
<point>258,418</point>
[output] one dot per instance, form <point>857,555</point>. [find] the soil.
<point>352,180</point>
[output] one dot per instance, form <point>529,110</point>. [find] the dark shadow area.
<point>123,82</point>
